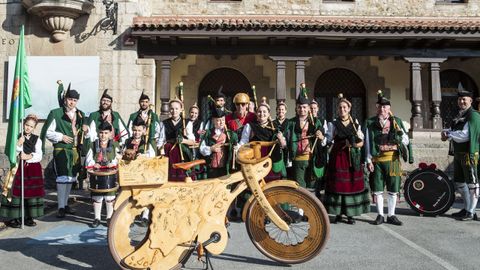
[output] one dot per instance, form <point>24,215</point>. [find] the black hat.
<point>139,121</point>
<point>104,125</point>
<point>219,93</point>
<point>463,93</point>
<point>216,112</point>
<point>71,93</point>
<point>143,96</point>
<point>302,97</point>
<point>382,100</point>
<point>105,95</point>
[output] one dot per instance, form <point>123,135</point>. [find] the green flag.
<point>20,101</point>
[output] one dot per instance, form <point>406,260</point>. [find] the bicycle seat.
<point>188,165</point>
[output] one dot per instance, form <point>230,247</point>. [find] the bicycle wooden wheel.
<point>306,217</point>
<point>127,233</point>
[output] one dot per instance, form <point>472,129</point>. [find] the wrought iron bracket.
<point>111,20</point>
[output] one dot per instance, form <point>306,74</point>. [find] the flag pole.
<point>22,175</point>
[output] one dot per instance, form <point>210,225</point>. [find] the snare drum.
<point>429,191</point>
<point>102,181</point>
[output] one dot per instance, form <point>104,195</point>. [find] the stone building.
<point>418,52</point>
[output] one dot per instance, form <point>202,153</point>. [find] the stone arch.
<point>361,66</point>
<point>340,80</point>
<point>204,64</point>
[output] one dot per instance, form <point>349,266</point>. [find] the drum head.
<point>103,172</point>
<point>429,191</point>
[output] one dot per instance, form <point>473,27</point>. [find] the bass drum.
<point>429,191</point>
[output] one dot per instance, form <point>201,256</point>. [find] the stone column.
<point>299,76</point>
<point>281,91</point>
<point>436,93</point>
<point>416,120</point>
<point>165,70</point>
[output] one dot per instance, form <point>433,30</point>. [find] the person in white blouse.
<point>29,149</point>
<point>175,138</point>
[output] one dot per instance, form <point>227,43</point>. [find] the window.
<point>452,1</point>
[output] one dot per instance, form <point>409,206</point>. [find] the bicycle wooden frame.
<point>184,212</point>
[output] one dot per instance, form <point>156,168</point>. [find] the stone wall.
<point>311,7</point>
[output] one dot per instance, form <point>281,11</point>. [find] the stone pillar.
<point>436,95</point>
<point>281,90</point>
<point>436,92</point>
<point>416,120</point>
<point>299,76</point>
<point>165,70</point>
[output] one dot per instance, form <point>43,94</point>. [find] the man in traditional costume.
<point>218,145</point>
<point>464,135</point>
<point>386,140</point>
<point>64,129</point>
<point>102,154</point>
<point>238,119</point>
<point>106,114</point>
<point>149,117</point>
<point>306,143</point>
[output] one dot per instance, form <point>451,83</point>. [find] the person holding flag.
<point>20,101</point>
<point>29,148</point>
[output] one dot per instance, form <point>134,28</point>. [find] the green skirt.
<point>349,205</point>
<point>34,207</point>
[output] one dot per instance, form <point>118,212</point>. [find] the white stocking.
<point>473,198</point>
<point>392,203</point>
<point>61,190</point>
<point>379,202</point>
<point>68,187</point>
<point>97,209</point>
<point>145,213</point>
<point>109,201</point>
<point>462,188</point>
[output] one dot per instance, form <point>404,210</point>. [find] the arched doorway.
<point>450,81</point>
<point>230,80</point>
<point>335,81</point>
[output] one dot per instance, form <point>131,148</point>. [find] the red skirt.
<point>174,157</point>
<point>33,181</point>
<point>342,178</point>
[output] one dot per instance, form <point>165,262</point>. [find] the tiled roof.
<point>308,23</point>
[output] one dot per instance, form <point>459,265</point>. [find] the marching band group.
<point>345,159</point>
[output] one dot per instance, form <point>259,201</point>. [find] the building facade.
<point>418,52</point>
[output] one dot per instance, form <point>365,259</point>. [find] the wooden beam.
<point>234,41</point>
<point>406,43</point>
<point>173,41</point>
<point>213,41</point>
<point>351,42</point>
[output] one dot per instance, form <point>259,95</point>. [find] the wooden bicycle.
<point>284,221</point>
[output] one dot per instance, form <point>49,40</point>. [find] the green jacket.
<point>231,142</point>
<point>472,146</point>
<point>63,125</point>
<point>153,123</point>
<point>374,130</point>
<point>292,133</point>
<point>118,124</point>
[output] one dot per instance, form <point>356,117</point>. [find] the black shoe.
<point>337,219</point>
<point>30,222</point>
<point>61,213</point>
<point>69,210</point>
<point>379,220</point>
<point>350,220</point>
<point>394,220</point>
<point>459,214</point>
<point>468,216</point>
<point>475,217</point>
<point>95,223</point>
<point>14,223</point>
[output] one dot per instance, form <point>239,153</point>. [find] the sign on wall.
<point>44,71</point>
